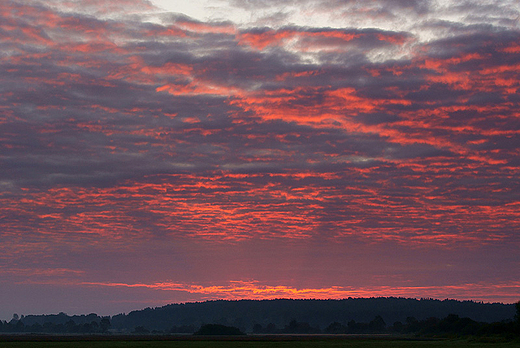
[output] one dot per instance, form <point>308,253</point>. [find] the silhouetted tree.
<point>271,328</point>
<point>377,324</point>
<point>354,327</point>
<point>36,327</point>
<point>19,326</point>
<point>258,328</point>
<point>412,324</point>
<point>70,326</point>
<point>336,328</point>
<point>48,327</point>
<point>94,326</point>
<point>59,328</point>
<point>300,328</point>
<point>398,327</point>
<point>427,326</point>
<point>104,325</point>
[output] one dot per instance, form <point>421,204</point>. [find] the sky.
<point>156,152</point>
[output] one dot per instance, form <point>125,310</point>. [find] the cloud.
<point>237,290</point>
<point>368,149</point>
<point>119,130</point>
<point>416,5</point>
<point>103,8</point>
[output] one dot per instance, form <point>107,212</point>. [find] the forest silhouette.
<point>399,316</point>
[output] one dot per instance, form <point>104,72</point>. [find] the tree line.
<point>17,325</point>
<point>396,316</point>
<point>451,325</point>
<point>245,314</point>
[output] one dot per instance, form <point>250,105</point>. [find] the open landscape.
<point>259,173</point>
<point>160,327</point>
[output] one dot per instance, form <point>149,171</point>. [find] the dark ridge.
<point>281,316</point>
<point>245,314</point>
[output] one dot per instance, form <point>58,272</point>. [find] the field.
<point>241,342</point>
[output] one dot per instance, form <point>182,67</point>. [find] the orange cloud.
<point>236,290</point>
<point>278,37</point>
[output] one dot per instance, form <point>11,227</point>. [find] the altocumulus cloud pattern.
<point>150,157</point>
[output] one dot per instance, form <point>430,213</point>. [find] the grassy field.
<point>288,342</point>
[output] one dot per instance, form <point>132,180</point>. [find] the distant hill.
<point>245,314</point>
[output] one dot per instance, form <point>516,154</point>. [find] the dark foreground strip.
<point>83,338</point>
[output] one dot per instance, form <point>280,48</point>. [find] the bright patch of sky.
<point>425,25</point>
<point>204,10</point>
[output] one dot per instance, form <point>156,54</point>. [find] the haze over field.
<point>154,152</point>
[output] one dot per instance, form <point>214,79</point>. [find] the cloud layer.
<point>122,125</point>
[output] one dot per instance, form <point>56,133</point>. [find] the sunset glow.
<point>322,149</point>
